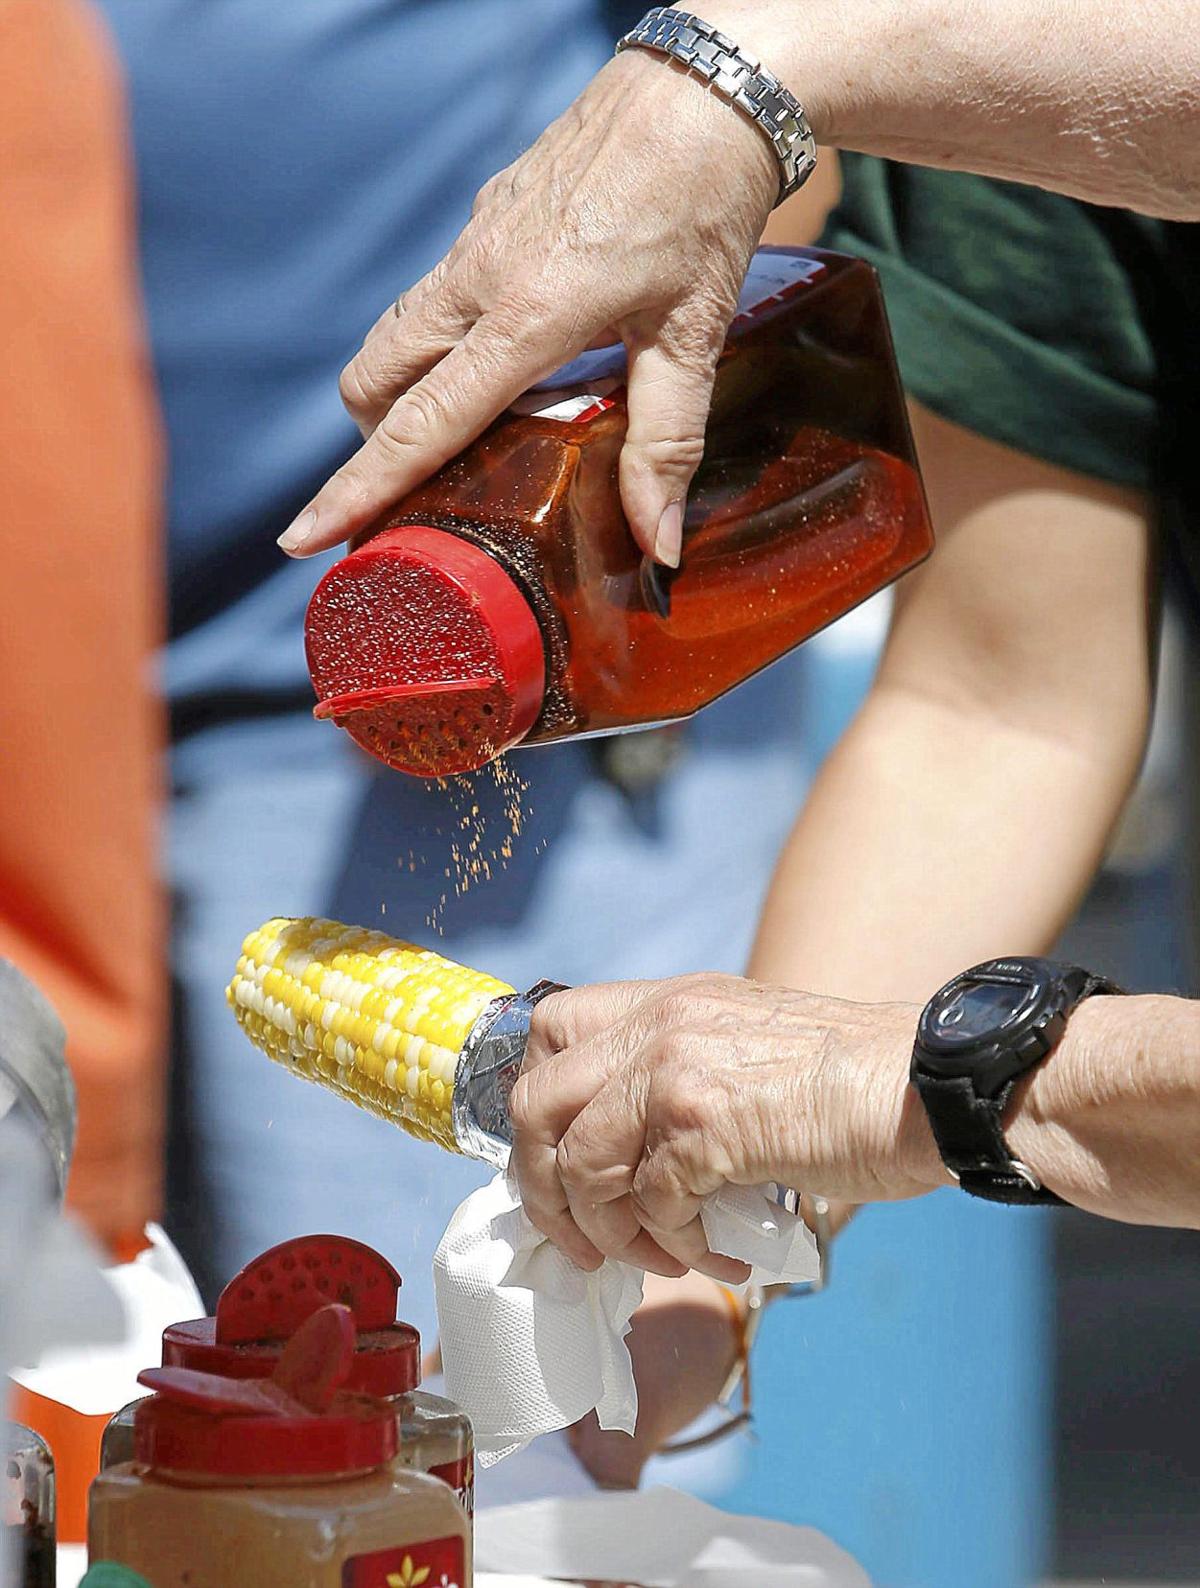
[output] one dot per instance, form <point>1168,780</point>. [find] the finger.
<point>424,428</point>
<point>406,341</point>
<point>605,1212</point>
<point>568,1018</point>
<point>689,1246</point>
<point>558,1225</point>
<point>543,1106</point>
<point>614,1229</point>
<point>596,1162</point>
<point>669,392</point>
<point>580,1080</point>
<point>669,1189</point>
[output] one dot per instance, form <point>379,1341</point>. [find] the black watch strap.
<point>969,1132</point>
<point>969,1127</point>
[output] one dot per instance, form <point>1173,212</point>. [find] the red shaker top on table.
<point>262,1307</point>
<point>299,1422</point>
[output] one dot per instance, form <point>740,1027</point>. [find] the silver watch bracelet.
<point>740,80</point>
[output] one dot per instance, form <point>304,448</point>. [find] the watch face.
<point>977,1011</point>
<point>982,1023</point>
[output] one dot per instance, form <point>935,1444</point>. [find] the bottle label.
<point>771,279</point>
<point>438,1563</point>
<point>460,1476</point>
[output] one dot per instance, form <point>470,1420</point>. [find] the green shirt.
<point>1065,330</point>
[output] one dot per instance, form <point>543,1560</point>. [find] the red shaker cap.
<point>298,1423</point>
<point>426,651</point>
<point>261,1308</point>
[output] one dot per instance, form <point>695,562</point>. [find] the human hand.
<point>683,1346</point>
<point>633,219</point>
<point>639,1100</point>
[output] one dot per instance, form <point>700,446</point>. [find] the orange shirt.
<point>80,731</point>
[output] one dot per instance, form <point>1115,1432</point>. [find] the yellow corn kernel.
<point>378,1021</point>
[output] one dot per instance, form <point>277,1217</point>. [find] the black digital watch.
<point>975,1040</point>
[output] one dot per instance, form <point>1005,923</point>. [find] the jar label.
<point>437,1563</point>
<point>460,1475</point>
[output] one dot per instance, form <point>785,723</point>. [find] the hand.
<point>639,1100</point>
<point>632,218</point>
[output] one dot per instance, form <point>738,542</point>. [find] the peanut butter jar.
<point>286,1482</point>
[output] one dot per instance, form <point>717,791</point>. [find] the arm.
<point>1111,1120</point>
<point>682,1345</point>
<point>635,214</point>
<point>814,1091</point>
<point>968,806</point>
<point>961,817</point>
<point>1092,99</point>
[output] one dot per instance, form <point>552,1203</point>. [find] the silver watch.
<point>740,80</point>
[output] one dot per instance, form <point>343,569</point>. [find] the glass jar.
<point>350,1529</point>
<point>436,1437</point>
<point>27,1509</point>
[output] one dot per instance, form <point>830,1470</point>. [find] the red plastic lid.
<point>425,651</point>
<point>263,1306</point>
<point>300,1422</point>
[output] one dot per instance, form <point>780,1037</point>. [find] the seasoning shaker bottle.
<point>504,601</point>
<point>284,1482</point>
<point>270,1298</point>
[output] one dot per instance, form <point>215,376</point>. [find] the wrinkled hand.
<point>638,1100</point>
<point>632,218</point>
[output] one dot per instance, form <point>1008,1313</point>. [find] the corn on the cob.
<point>379,1021</point>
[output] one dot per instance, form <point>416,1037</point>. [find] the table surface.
<point>72,1560</point>
<point>72,1563</point>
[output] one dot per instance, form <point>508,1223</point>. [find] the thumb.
<point>670,388</point>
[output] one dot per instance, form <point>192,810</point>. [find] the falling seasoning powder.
<point>490,810</point>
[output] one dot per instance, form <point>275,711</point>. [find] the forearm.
<point>933,838</point>
<point>965,811</point>
<point>1111,1121</point>
<point>1091,98</point>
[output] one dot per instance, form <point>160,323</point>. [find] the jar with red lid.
<point>284,1482</point>
<point>263,1305</point>
<point>504,602</point>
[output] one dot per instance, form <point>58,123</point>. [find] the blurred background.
<point>209,203</point>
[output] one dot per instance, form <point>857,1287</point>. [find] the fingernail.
<point>668,543</point>
<point>300,530</point>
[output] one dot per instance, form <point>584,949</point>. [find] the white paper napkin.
<point>532,1343</point>
<point>661,1539</point>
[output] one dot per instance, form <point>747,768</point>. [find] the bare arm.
<point>1096,98</point>
<point>968,806</point>
<point>657,1094</point>
<point>634,215</point>
<point>1111,1121</point>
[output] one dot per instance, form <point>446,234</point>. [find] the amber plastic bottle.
<point>263,1305</point>
<point>505,601</point>
<point>287,1482</point>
